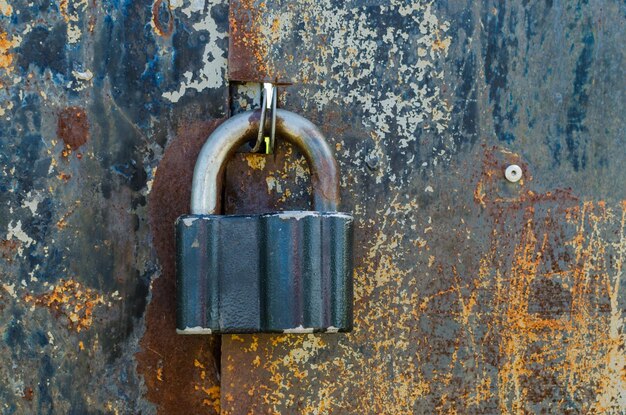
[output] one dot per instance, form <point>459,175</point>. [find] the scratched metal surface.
<point>472,295</point>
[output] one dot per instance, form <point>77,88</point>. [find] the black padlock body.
<point>284,272</point>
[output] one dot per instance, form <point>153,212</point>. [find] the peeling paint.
<point>211,74</point>
<point>16,231</point>
<point>5,8</point>
<point>32,202</point>
<point>473,295</point>
<point>71,11</point>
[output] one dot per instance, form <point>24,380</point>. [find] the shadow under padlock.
<point>287,271</point>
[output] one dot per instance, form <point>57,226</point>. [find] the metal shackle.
<point>237,130</point>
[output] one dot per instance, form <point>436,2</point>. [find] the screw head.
<point>513,173</point>
<point>372,162</point>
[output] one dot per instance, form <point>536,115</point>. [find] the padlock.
<point>278,272</point>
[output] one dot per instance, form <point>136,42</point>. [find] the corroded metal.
<point>180,373</point>
<point>474,294</point>
<point>93,97</point>
<point>246,50</point>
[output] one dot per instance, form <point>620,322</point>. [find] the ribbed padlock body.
<point>284,272</point>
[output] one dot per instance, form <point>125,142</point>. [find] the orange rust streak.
<point>63,7</point>
<point>156,23</point>
<point>71,300</point>
<point>62,223</point>
<point>6,58</point>
<point>245,32</point>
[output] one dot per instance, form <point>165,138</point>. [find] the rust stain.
<point>28,393</point>
<point>73,128</point>
<point>290,175</point>
<point>532,344</point>
<point>180,372</point>
<point>539,317</point>
<point>64,177</point>
<point>255,161</point>
<point>9,248</point>
<point>212,393</point>
<point>491,188</point>
<point>6,58</point>
<point>557,298</point>
<point>92,19</point>
<point>62,223</point>
<point>63,8</point>
<point>213,398</point>
<point>268,183</point>
<point>440,44</point>
<point>248,50</point>
<point>5,8</point>
<point>159,28</point>
<point>71,300</point>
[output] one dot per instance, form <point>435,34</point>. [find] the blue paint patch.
<point>14,335</point>
<point>45,49</point>
<point>575,138</point>
<point>497,67</point>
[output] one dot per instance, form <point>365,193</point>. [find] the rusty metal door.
<point>473,294</point>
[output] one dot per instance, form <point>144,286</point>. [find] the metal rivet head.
<point>371,161</point>
<point>513,173</point>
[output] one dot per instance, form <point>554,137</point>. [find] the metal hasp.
<point>273,272</point>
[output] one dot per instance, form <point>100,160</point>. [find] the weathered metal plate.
<point>247,48</point>
<point>473,294</point>
<point>92,95</point>
<point>180,372</point>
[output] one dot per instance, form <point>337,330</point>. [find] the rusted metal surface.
<point>73,127</point>
<point>256,182</point>
<point>246,49</point>
<point>180,372</point>
<point>91,95</point>
<point>251,57</point>
<point>245,58</point>
<point>473,294</point>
